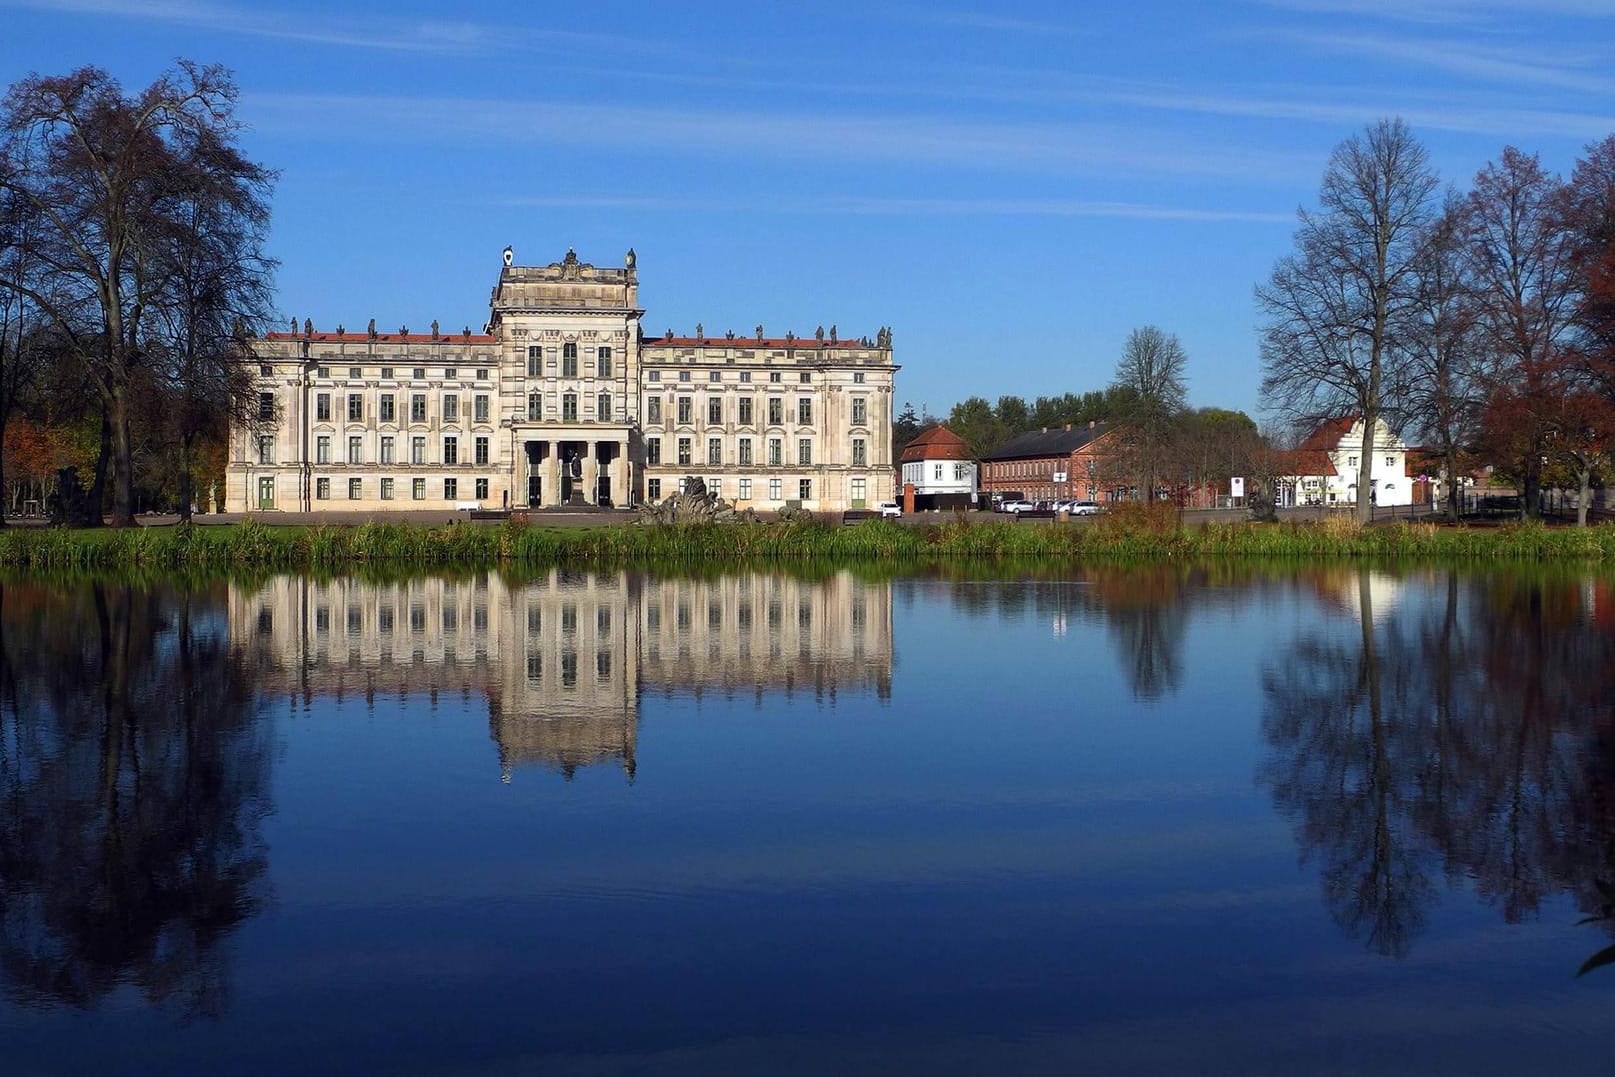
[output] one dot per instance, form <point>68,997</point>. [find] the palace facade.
<point>562,400</point>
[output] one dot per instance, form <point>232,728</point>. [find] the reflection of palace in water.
<point>563,658</point>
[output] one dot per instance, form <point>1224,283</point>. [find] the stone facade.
<point>562,400</point>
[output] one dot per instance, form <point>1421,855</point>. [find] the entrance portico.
<point>573,467</point>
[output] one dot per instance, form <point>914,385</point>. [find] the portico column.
<point>591,472</point>
<point>552,474</point>
<point>621,494</point>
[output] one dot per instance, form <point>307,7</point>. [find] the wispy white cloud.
<point>808,138</point>
<point>917,207</point>
<point>369,32</point>
<point>1448,11</point>
<point>1507,66</point>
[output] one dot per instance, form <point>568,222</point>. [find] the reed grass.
<point>1126,537</point>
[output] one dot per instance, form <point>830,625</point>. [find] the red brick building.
<point>1067,463</point>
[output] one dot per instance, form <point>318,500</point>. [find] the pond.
<point>1210,819</point>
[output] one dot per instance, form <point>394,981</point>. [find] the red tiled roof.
<point>752,342</point>
<point>1328,436</point>
<point>936,443</point>
<point>387,338</point>
<point>1304,462</point>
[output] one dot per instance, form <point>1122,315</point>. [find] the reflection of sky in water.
<point>1043,852</point>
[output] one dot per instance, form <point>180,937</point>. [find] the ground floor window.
<point>266,493</point>
<point>745,489</point>
<point>715,487</point>
<point>322,489</point>
<point>653,489</point>
<point>386,489</point>
<point>451,489</point>
<point>804,489</point>
<point>859,492</point>
<point>418,489</point>
<point>482,489</point>
<point>355,489</point>
<point>775,489</point>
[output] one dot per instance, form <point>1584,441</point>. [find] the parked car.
<point>889,509</point>
<point>1084,508</point>
<point>1016,507</point>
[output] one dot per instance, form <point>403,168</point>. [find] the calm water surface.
<point>1162,821</point>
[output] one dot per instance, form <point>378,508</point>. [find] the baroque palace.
<point>562,400</point>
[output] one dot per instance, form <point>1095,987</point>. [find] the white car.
<point>1016,507</point>
<point>889,509</point>
<point>1083,508</point>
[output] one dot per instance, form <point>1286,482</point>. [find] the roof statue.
<point>700,331</point>
<point>308,327</point>
<point>832,334</point>
<point>631,259</point>
<point>759,332</point>
<point>372,329</point>
<point>818,334</point>
<point>434,328</point>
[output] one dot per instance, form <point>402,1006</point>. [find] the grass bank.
<point>1132,537</point>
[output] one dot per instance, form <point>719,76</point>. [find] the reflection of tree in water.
<point>133,780</point>
<point>1147,611</point>
<point>1456,740</point>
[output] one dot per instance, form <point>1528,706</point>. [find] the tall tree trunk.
<point>123,473</point>
<point>1584,474</point>
<point>1365,469</point>
<point>98,485</point>
<point>186,483</point>
<point>1455,489</point>
<point>1531,495</point>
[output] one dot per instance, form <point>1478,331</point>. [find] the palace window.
<point>417,408</point>
<point>479,408</point>
<point>804,451</point>
<point>745,489</point>
<point>322,449</point>
<point>266,407</point>
<point>387,450</point>
<point>860,411</point>
<point>684,375</point>
<point>745,451</point>
<point>417,489</point>
<point>860,492</point>
<point>482,489</point>
<point>355,489</point>
<point>451,408</point>
<point>745,375</point>
<point>684,450</point>
<point>714,451</point>
<point>653,489</point>
<point>387,489</point>
<point>417,450</point>
<point>774,376</point>
<point>481,451</point>
<point>776,452</point>
<point>418,373</point>
<point>653,451</point>
<point>535,361</point>
<point>386,372</point>
<point>535,407</point>
<point>653,409</point>
<point>775,489</point>
<point>655,375</point>
<point>449,372</point>
<point>388,411</point>
<point>686,408</point>
<point>355,407</point>
<point>859,457</point>
<point>858,377</point>
<point>744,405</point>
<point>804,411</point>
<point>602,363</point>
<point>602,407</point>
<point>714,409</point>
<point>265,370</point>
<point>451,450</point>
<point>482,373</point>
<point>804,489</point>
<point>322,489</point>
<point>322,407</point>
<point>451,489</point>
<point>323,372</point>
<point>569,360</point>
<point>353,449</point>
<point>776,410</point>
<point>569,407</point>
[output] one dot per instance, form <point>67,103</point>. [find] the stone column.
<point>620,491</point>
<point>552,474</point>
<point>591,472</point>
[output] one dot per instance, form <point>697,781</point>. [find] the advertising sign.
<point>1236,486</point>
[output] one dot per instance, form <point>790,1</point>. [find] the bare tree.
<point>1333,308</point>
<point>1149,376</point>
<point>1521,258</point>
<point>1443,395</point>
<point>106,176</point>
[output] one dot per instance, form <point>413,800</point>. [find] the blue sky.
<point>1011,187</point>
